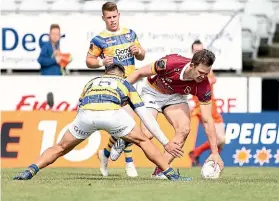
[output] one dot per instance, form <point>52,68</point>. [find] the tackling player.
<point>100,108</point>
<point>115,45</point>
<point>217,117</point>
<point>169,80</point>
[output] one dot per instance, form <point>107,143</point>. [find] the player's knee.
<point>181,134</point>
<point>142,140</point>
<point>182,131</point>
<point>60,149</point>
<point>221,140</point>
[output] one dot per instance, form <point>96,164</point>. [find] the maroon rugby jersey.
<point>168,78</point>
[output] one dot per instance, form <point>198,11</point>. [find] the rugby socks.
<point>107,149</point>
<point>202,148</point>
<point>128,153</point>
<point>33,169</point>
<point>169,172</point>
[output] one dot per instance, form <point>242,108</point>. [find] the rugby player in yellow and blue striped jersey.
<point>116,45</point>
<point>100,108</point>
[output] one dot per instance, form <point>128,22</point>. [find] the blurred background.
<point>244,35</point>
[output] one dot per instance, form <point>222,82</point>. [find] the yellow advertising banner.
<point>25,135</point>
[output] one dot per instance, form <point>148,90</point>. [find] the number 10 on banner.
<point>49,127</point>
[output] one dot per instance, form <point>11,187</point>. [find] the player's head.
<point>54,33</point>
<point>201,64</point>
<point>197,46</point>
<point>115,69</point>
<point>111,16</point>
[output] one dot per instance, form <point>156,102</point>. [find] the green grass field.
<point>68,184</point>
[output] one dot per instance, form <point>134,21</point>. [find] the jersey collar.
<point>114,32</point>
<point>183,70</point>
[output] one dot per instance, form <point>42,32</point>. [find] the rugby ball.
<point>208,171</point>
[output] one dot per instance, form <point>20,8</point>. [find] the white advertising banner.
<point>29,93</point>
<point>158,34</point>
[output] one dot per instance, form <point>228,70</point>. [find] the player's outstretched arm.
<point>142,72</point>
<point>209,126</point>
<point>211,133</point>
<point>152,125</point>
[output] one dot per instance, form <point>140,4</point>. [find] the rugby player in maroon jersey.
<point>169,81</point>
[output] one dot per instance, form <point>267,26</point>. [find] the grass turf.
<point>69,184</point>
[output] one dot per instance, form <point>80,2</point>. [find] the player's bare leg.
<point>50,155</point>
<point>152,153</point>
<point>178,116</point>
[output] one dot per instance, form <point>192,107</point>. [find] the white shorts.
<point>116,122</point>
<point>158,101</point>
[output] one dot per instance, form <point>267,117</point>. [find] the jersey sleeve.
<point>95,47</point>
<point>167,64</point>
<point>135,38</point>
<point>159,67</point>
<point>135,100</point>
<point>204,92</point>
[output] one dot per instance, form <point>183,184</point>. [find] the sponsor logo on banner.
<point>47,128</point>
<point>21,41</point>
<point>32,93</point>
<point>251,139</point>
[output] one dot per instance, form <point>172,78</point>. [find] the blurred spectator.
<point>197,46</point>
<point>50,58</point>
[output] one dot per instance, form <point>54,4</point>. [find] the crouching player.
<point>169,80</point>
<point>100,108</point>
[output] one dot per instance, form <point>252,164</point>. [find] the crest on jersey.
<point>128,36</point>
<point>161,65</point>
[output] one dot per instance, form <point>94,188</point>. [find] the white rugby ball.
<point>208,172</point>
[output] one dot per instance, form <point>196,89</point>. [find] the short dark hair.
<point>196,42</point>
<point>109,6</point>
<point>205,57</point>
<point>54,26</point>
<point>113,67</point>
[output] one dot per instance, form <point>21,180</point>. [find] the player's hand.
<point>135,50</point>
<point>174,149</point>
<point>217,160</point>
<point>108,61</point>
<point>58,59</point>
<point>56,53</point>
